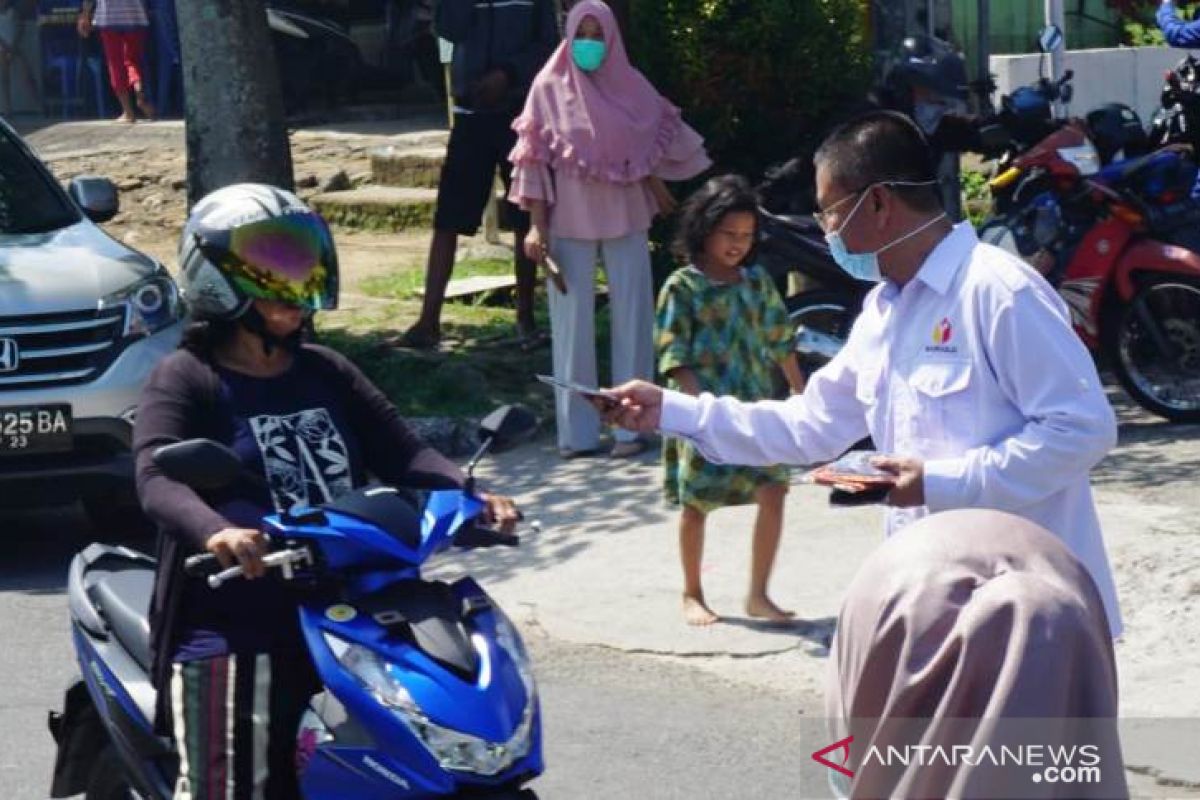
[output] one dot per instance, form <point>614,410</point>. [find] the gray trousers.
<point>572,323</point>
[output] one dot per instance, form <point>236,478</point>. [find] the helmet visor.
<point>290,259</point>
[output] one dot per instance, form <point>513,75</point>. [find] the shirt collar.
<point>942,264</point>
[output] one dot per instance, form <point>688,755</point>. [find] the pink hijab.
<point>973,628</point>
<point>609,125</point>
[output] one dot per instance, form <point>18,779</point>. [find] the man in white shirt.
<point>962,365</point>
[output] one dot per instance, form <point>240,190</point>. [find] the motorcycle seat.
<point>1123,171</point>
<point>123,599</point>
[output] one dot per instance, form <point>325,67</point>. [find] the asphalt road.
<point>616,725</point>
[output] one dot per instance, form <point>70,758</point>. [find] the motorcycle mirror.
<point>199,463</point>
<point>1050,38</point>
<point>507,427</point>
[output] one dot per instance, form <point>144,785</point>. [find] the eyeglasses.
<point>821,216</point>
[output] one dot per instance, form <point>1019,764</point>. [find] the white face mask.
<point>865,266</point>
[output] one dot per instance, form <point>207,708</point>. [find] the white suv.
<point>83,320</point>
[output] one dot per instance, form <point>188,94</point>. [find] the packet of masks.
<point>853,473</point>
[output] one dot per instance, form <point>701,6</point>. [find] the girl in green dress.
<point>723,329</point>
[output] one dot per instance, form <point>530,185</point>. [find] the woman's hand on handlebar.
<point>500,512</point>
<point>243,546</point>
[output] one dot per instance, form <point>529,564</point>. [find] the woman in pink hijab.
<point>977,637</point>
<point>595,143</point>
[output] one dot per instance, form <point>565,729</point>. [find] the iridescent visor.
<point>290,259</point>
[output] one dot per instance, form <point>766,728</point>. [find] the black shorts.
<point>479,143</point>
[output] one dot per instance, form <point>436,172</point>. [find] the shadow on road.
<point>39,544</point>
<point>1139,461</point>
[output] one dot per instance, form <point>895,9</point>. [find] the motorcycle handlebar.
<point>285,559</point>
<point>475,537</point>
<point>201,565</point>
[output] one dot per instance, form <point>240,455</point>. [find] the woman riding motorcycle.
<point>230,665</point>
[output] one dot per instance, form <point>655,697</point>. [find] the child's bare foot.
<point>146,108</point>
<point>763,608</point>
<point>128,119</point>
<point>696,612</point>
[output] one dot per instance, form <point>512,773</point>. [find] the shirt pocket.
<point>943,409</point>
<point>866,386</point>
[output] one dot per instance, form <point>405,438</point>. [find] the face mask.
<point>588,54</point>
<point>865,266</point>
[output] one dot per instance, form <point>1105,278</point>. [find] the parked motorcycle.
<point>1113,240</point>
<point>1178,118</point>
<point>428,689</point>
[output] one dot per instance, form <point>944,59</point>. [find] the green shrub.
<point>1138,23</point>
<point>760,79</point>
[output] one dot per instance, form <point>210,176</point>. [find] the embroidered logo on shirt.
<point>943,332</point>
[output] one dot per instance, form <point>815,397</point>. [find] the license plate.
<point>35,429</point>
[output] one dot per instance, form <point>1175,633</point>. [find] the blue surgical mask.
<point>588,54</point>
<point>865,266</point>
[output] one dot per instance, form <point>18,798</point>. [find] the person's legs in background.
<point>135,60</point>
<point>12,57</point>
<point>631,303</point>
<point>526,271</point>
<point>573,344</point>
<point>468,175</point>
<point>118,75</point>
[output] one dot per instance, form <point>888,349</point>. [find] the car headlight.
<point>153,304</point>
<point>454,750</point>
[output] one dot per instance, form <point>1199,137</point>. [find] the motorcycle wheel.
<point>107,781</point>
<point>821,320</point>
<point>1168,388</point>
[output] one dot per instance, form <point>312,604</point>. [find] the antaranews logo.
<point>1078,764</point>
<point>842,746</point>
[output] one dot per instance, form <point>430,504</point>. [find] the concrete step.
<point>388,208</point>
<point>399,166</point>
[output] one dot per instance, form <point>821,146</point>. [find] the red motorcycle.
<point>1116,243</point>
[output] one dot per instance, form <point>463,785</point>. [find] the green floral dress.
<point>732,336</point>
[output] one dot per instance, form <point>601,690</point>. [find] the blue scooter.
<point>428,691</point>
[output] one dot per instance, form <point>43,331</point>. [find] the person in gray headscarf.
<point>972,641</point>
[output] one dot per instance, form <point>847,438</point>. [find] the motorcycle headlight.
<point>454,750</point>
<point>510,641</point>
<point>153,304</point>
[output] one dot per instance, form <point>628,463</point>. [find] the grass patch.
<point>404,284</point>
<point>977,198</point>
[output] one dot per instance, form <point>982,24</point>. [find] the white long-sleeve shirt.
<point>971,367</point>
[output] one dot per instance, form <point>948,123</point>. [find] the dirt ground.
<point>148,164</point>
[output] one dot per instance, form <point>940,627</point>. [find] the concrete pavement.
<point>604,571</point>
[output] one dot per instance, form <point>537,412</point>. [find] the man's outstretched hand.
<point>637,407</point>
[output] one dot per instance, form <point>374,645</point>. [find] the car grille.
<point>42,350</point>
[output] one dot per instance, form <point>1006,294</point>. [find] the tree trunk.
<point>236,130</point>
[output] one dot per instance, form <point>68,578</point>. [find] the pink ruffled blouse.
<point>581,207</point>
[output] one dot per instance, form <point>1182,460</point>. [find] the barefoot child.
<point>723,328</point>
